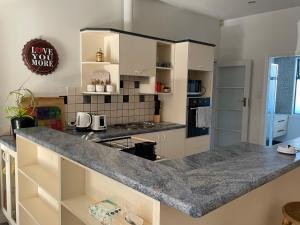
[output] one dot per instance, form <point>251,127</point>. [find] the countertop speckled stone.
<point>8,141</point>
<point>113,132</point>
<point>194,185</point>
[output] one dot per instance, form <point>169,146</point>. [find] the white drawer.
<point>279,132</point>
<point>280,118</point>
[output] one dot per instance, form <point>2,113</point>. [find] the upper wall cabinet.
<point>137,56</point>
<point>201,57</point>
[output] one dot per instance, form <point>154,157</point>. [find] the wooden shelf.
<point>43,178</point>
<point>98,93</point>
<point>99,63</point>
<point>228,87</point>
<point>163,68</point>
<point>164,93</point>
<point>79,207</point>
<point>40,211</point>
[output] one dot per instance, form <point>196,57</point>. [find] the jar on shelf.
<point>99,55</point>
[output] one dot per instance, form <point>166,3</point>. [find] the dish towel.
<point>203,117</point>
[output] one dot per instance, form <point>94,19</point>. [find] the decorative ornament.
<point>40,57</point>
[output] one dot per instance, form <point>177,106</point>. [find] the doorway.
<point>231,103</point>
<point>283,100</point>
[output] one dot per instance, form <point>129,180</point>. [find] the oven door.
<point>192,130</point>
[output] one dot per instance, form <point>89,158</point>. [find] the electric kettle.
<point>83,121</point>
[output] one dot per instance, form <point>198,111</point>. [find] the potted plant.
<point>22,109</point>
<point>100,87</point>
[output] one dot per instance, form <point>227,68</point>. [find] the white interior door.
<point>231,108</point>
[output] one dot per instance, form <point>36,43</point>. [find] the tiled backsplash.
<point>129,106</point>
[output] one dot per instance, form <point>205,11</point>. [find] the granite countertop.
<point>113,132</point>
<point>8,141</point>
<point>194,185</point>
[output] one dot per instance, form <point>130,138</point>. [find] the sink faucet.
<point>88,137</point>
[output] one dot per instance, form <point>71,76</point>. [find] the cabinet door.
<point>201,57</point>
<point>196,145</point>
<point>137,56</point>
<point>173,143</point>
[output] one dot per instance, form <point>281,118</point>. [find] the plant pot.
<point>110,88</point>
<point>100,88</point>
<point>19,123</point>
<point>91,88</point>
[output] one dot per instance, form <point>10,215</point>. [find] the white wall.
<point>156,18</point>
<point>258,37</point>
<point>58,21</point>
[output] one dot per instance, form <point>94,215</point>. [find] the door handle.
<point>244,101</point>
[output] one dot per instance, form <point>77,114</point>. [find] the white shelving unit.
<point>53,190</point>
<point>91,41</point>
<point>164,75</point>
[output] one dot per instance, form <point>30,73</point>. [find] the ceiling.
<point>228,9</point>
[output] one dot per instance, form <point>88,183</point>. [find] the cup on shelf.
<point>91,88</point>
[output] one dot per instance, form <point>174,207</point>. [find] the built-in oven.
<point>194,107</point>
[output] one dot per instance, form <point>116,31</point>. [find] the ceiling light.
<point>251,2</point>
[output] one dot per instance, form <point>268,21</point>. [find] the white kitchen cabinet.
<point>196,145</point>
<point>280,126</point>
<point>200,57</point>
<point>170,143</point>
<point>8,184</point>
<point>137,56</point>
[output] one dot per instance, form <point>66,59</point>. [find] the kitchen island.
<point>191,190</point>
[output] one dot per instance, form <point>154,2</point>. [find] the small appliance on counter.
<point>86,121</point>
<point>83,121</point>
<point>99,123</point>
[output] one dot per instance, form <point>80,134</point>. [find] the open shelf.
<point>98,63</point>
<point>93,70</point>
<point>43,177</point>
<point>206,78</point>
<point>163,68</point>
<point>67,218</point>
<point>41,166</point>
<point>40,211</point>
<point>25,218</point>
<point>165,77</point>
<point>92,41</point>
<point>37,203</point>
<point>92,187</point>
<point>98,93</point>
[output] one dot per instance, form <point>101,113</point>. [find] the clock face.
<point>40,57</point>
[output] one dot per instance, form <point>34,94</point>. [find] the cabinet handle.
<point>280,130</point>
<point>199,66</point>
<point>280,121</point>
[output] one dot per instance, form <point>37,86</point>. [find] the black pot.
<point>19,123</point>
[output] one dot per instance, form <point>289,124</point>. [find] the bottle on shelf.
<point>99,56</point>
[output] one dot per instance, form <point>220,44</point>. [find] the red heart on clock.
<point>39,50</point>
